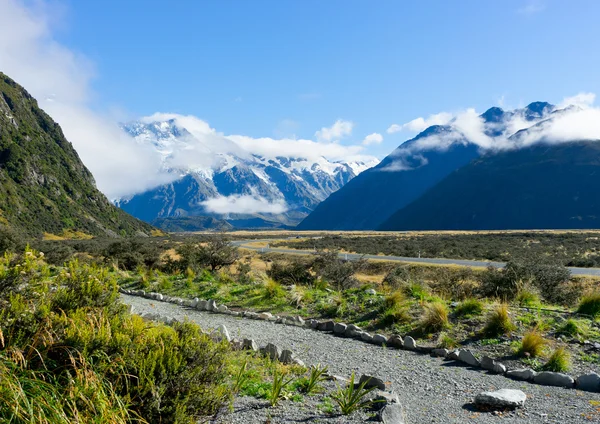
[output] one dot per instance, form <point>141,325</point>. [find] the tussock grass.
<point>590,305</point>
<point>559,361</point>
<point>498,322</point>
<point>469,308</point>
<point>435,317</point>
<point>533,343</point>
<point>570,328</point>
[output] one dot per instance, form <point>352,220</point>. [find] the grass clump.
<point>272,289</point>
<point>570,328</point>
<point>532,344</point>
<point>590,305</point>
<point>559,361</point>
<point>435,317</point>
<point>445,341</point>
<point>528,296</point>
<point>311,384</point>
<point>498,322</point>
<point>469,308</point>
<point>278,387</point>
<point>353,397</point>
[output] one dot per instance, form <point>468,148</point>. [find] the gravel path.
<point>431,390</point>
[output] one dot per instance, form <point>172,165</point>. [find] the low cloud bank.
<point>243,204</point>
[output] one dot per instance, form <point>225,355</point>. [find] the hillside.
<point>544,186</point>
<point>191,223</point>
<point>44,186</point>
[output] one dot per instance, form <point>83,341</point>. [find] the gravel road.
<point>431,390</point>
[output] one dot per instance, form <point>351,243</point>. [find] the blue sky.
<point>289,68</point>
<point>263,68</point>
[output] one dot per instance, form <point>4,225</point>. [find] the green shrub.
<point>294,273</point>
<point>528,296</point>
<point>278,386</point>
<point>435,317</point>
<point>310,384</point>
<point>272,289</point>
<point>532,343</point>
<point>469,308</point>
<point>353,397</point>
<point>590,305</point>
<point>559,361</point>
<point>498,322</point>
<point>397,277</point>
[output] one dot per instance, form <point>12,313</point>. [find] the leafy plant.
<point>352,397</point>
<point>241,378</point>
<point>278,386</point>
<point>311,384</point>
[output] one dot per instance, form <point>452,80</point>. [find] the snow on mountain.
<point>218,176</point>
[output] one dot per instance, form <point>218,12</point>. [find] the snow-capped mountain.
<point>213,175</point>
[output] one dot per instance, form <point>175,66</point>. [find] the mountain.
<point>414,167</point>
<point>213,176</point>
<point>544,186</point>
<point>44,186</point>
<point>191,223</point>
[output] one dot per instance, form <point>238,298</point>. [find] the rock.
<point>493,366</point>
<point>409,343</point>
<point>234,313</point>
<point>299,321</point>
<point>372,382</point>
<point>326,326</point>
<point>503,398</point>
<point>221,333</point>
<point>366,337</point>
<point>588,382</point>
<point>158,296</point>
<point>383,397</point>
<point>392,413</point>
<point>265,315</point>
<point>194,303</point>
<point>352,331</point>
<point>453,354</point>
<point>441,353</point>
<point>298,362</point>
<point>272,351</point>
<point>468,358</point>
<point>548,378</point>
<point>379,339</point>
<point>314,323</point>
<point>222,309</point>
<point>371,291</point>
<point>523,374</point>
<point>395,341</point>
<point>211,305</point>
<point>286,356</point>
<point>250,315</point>
<point>339,328</point>
<point>249,344</point>
<point>237,344</point>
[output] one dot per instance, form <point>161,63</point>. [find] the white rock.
<point>503,398</point>
<point>410,343</point>
<point>523,374</point>
<point>379,339</point>
<point>468,358</point>
<point>548,378</point>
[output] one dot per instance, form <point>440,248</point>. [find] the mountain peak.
<point>493,115</point>
<point>537,110</point>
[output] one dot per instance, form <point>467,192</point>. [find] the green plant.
<point>590,305</point>
<point>532,343</point>
<point>352,397</point>
<point>528,296</point>
<point>445,341</point>
<point>570,328</point>
<point>272,289</point>
<point>469,307</point>
<point>435,317</point>
<point>278,386</point>
<point>241,378</point>
<point>311,384</point>
<point>498,322</point>
<point>559,361</point>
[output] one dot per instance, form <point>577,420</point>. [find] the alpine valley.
<point>213,176</point>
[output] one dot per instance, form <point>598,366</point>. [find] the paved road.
<point>246,244</point>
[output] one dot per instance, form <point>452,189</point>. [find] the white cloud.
<point>532,7</point>
<point>394,128</point>
<point>337,131</point>
<point>420,124</point>
<point>243,204</point>
<point>374,138</point>
<point>582,100</point>
<point>60,80</point>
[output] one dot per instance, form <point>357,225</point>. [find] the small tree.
<point>214,254</point>
<point>336,271</point>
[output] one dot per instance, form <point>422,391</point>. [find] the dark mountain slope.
<point>44,186</point>
<point>366,201</point>
<point>544,186</point>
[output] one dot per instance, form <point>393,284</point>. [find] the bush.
<point>532,343</point>
<point>590,305</point>
<point>217,252</point>
<point>272,289</point>
<point>498,322</point>
<point>294,273</point>
<point>435,317</point>
<point>469,308</point>
<point>559,361</point>
<point>528,296</point>
<point>397,277</point>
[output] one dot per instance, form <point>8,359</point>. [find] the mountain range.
<point>499,170</point>
<point>214,177</point>
<point>44,186</point>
